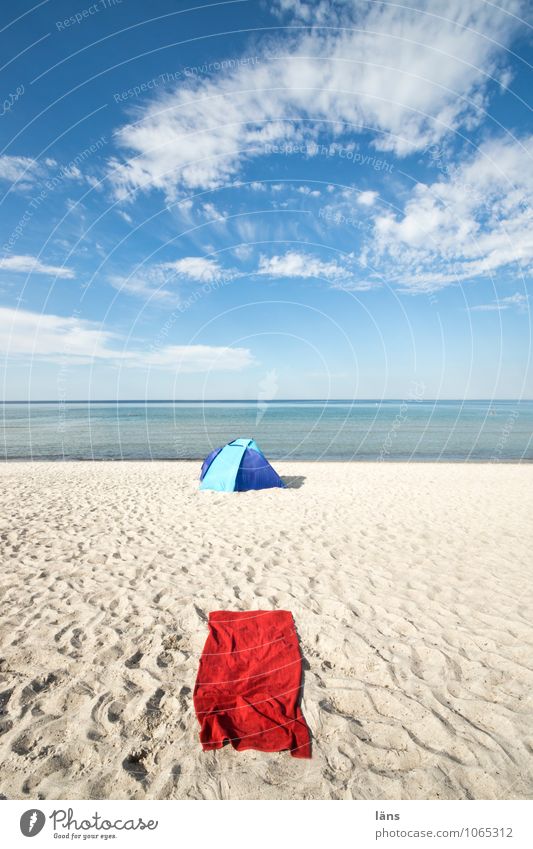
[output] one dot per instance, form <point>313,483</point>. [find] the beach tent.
<point>238,466</point>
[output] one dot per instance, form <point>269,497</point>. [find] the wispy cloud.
<point>157,282</point>
<point>149,284</point>
<point>413,75</point>
<point>516,301</point>
<point>300,265</point>
<point>196,268</point>
<point>25,173</point>
<point>33,334</point>
<point>37,336</point>
<point>25,264</point>
<point>471,223</point>
<point>305,190</point>
<point>189,359</point>
<point>14,168</point>
<point>210,212</point>
<point>367,198</point>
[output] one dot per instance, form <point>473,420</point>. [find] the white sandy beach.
<point>411,590</point>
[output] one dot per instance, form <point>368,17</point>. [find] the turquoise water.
<point>341,430</point>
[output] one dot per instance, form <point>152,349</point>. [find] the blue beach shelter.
<point>238,466</point>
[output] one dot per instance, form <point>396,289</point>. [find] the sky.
<point>252,200</point>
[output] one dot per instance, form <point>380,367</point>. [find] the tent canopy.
<point>238,466</point>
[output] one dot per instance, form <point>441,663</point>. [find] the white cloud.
<point>315,12</point>
<point>54,338</point>
<point>149,284</point>
<point>295,8</point>
<point>152,281</point>
<point>471,223</point>
<point>211,213</point>
<point>196,268</point>
<point>14,168</point>
<point>24,172</point>
<point>516,301</point>
<point>413,75</point>
<point>243,252</point>
<point>39,335</point>
<point>31,265</point>
<point>305,190</point>
<point>294,264</point>
<point>189,359</point>
<point>505,78</point>
<point>366,198</point>
<point>95,184</point>
<point>364,285</point>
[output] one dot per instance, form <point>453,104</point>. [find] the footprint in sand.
<point>5,726</point>
<point>164,659</point>
<point>4,699</point>
<point>78,638</point>
<point>153,709</point>
<point>134,660</point>
<point>38,685</point>
<point>115,711</point>
<point>22,745</point>
<point>133,764</point>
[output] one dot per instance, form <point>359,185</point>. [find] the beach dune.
<point>410,586</point>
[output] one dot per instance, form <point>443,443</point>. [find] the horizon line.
<point>269,401</point>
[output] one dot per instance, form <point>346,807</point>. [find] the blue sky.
<point>265,200</point>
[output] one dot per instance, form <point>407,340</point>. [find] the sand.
<point>411,590</point>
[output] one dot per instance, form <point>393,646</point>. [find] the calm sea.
<point>299,430</point>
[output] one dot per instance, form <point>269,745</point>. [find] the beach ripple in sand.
<point>411,590</point>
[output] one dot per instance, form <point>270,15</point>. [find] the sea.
<point>343,430</point>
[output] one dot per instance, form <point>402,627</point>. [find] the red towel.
<point>248,685</point>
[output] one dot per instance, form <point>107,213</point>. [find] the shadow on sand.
<point>293,482</point>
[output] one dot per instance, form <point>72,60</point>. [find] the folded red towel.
<point>248,684</point>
